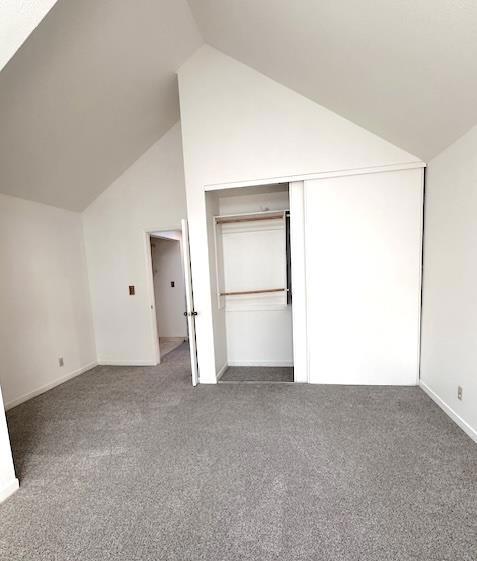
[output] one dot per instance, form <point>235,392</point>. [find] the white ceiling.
<point>404,69</point>
<point>94,85</point>
<point>88,92</point>
<point>17,21</point>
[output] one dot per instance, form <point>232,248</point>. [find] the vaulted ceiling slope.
<point>17,20</point>
<point>88,92</point>
<point>405,70</point>
<point>94,85</point>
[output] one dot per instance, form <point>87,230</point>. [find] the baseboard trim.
<point>450,412</point>
<point>265,363</point>
<point>106,362</point>
<point>221,372</point>
<point>174,338</point>
<point>8,490</point>
<point>49,386</point>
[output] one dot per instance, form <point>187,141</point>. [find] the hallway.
<point>134,464</point>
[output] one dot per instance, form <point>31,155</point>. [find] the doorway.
<point>169,290</point>
<point>172,303</point>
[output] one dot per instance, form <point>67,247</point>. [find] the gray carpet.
<point>134,464</point>
<point>257,374</point>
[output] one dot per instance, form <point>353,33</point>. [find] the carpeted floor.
<point>257,374</point>
<point>134,464</point>
<point>167,344</point>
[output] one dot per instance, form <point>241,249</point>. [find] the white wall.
<point>239,126</point>
<point>44,298</point>
<point>148,196</point>
<point>8,481</point>
<point>449,319</point>
<point>170,301</point>
<point>363,272</point>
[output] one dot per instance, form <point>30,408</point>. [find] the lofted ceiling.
<point>17,20</point>
<point>403,69</point>
<point>88,92</point>
<point>94,85</point>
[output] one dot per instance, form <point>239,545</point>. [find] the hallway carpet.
<point>133,464</point>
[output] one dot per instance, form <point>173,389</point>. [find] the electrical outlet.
<point>61,362</point>
<point>459,392</point>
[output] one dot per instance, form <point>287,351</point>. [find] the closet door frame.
<point>298,273</point>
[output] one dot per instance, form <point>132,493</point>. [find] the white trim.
<point>49,386</point>
<point>264,363</point>
<point>152,297</point>
<point>113,362</point>
<point>421,255</point>
<point>9,489</point>
<point>298,274</point>
<point>181,338</point>
<point>452,414</point>
<point>221,372</point>
<point>321,175</point>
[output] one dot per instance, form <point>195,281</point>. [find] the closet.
<point>354,245</point>
<point>253,282</point>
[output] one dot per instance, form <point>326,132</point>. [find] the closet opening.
<point>252,299</point>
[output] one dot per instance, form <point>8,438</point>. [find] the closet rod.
<point>226,220</point>
<point>254,291</point>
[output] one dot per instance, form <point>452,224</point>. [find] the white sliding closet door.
<point>363,238</point>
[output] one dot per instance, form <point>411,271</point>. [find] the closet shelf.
<point>266,290</point>
<point>250,217</point>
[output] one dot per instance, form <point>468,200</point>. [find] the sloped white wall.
<point>44,298</point>
<point>240,126</point>
<point>449,315</point>
<point>148,196</point>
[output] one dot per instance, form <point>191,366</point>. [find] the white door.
<point>190,312</point>
<point>363,277</point>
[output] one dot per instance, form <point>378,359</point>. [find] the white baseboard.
<point>174,338</point>
<point>8,489</point>
<point>264,363</point>
<point>221,371</point>
<point>106,362</point>
<point>49,386</point>
<point>452,414</point>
